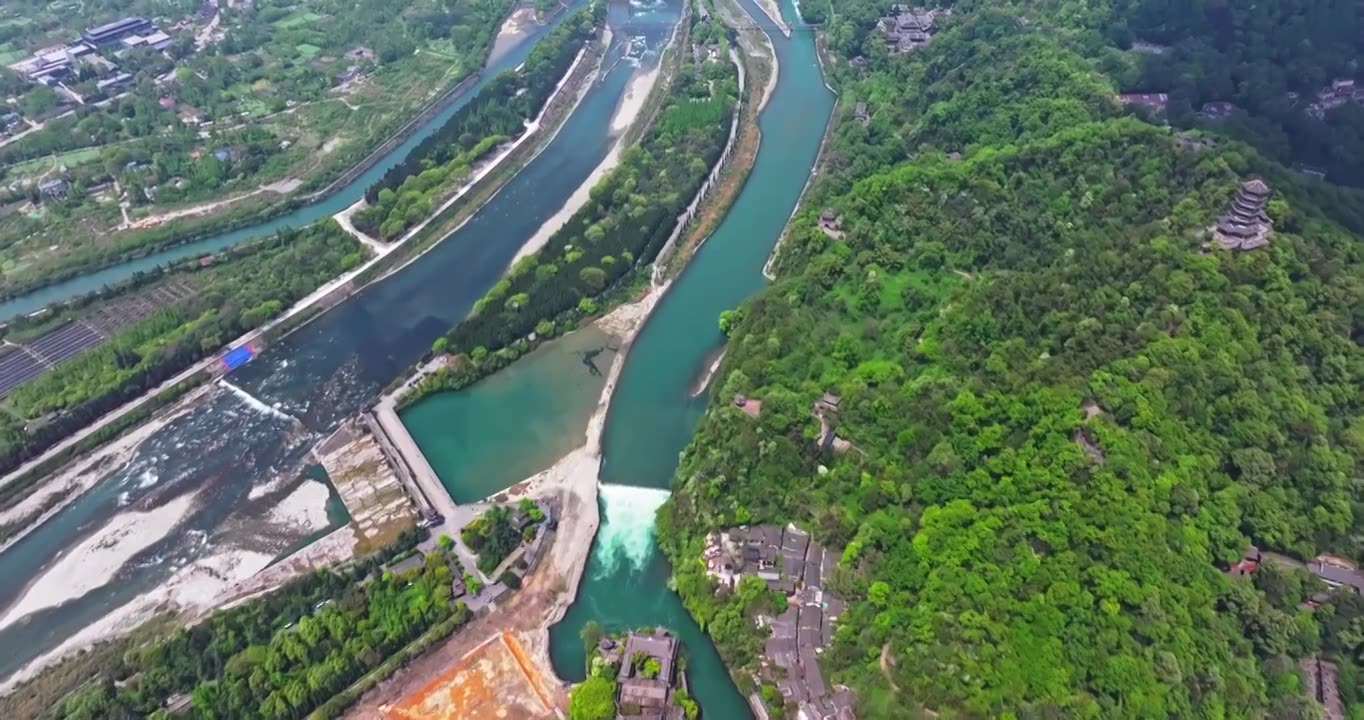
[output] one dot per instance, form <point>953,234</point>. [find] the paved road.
<point>456,516</point>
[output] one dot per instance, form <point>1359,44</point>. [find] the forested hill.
<point>1066,417</point>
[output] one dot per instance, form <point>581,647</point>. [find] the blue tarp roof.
<point>237,357</point>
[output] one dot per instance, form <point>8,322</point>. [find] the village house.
<point>789,561</point>
<point>1337,576</point>
<point>1245,226</point>
<point>11,122</point>
<point>907,29</point>
<point>191,115</point>
<point>117,30</point>
<point>56,188</point>
<point>750,406</point>
<point>1156,102</point>
<point>643,694</point>
<point>860,114</point>
<point>351,73</point>
<point>1338,93</point>
<point>825,410</point>
<point>1216,110</point>
<point>829,224</point>
<point>1335,573</point>
<point>51,63</point>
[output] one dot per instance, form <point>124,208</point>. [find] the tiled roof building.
<point>1245,226</point>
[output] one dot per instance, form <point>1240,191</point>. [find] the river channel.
<point>308,214</point>
<point>653,414</point>
<point>234,453</point>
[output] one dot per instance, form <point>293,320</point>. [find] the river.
<point>242,447</point>
<point>652,414</point>
<point>342,198</point>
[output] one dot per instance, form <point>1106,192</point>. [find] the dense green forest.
<point>233,297</point>
<point>283,655</point>
<point>1269,59</point>
<point>406,194</point>
<point>1066,417</point>
<point>624,223</point>
<point>1254,55</point>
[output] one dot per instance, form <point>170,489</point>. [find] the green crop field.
<point>42,164</point>
<point>298,19</point>
<point>307,51</point>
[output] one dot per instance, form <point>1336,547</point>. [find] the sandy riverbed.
<point>520,23</point>
<point>773,11</point>
<point>305,509</point>
<point>97,560</point>
<point>196,587</point>
<point>85,473</point>
<point>626,113</point>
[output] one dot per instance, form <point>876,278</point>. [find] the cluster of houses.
<point>788,561</point>
<point>1338,575</point>
<point>907,29</point>
<point>54,66</point>
<point>11,123</point>
<point>648,677</point>
<point>520,562</point>
<point>1338,93</point>
<point>1155,102</point>
<point>1245,226</point>
<point>827,408</point>
<point>1216,110</point>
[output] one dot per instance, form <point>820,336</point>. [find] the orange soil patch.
<point>494,680</point>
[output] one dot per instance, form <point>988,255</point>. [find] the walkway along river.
<point>327,206</point>
<point>652,412</point>
<point>233,451</point>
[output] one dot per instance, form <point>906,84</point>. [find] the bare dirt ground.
<point>519,617</point>
<point>281,187</point>
<point>493,680</point>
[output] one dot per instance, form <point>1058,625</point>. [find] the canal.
<point>236,447</point>
<point>652,412</point>
<point>308,214</point>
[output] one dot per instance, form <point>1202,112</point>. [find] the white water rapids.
<point>627,530</point>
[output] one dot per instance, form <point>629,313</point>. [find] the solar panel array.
<point>16,368</point>
<point>65,342</point>
<point>19,364</point>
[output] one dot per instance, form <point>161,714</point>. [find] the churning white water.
<point>627,530</point>
<point>254,403</point>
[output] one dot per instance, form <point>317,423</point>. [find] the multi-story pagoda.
<point>1245,226</point>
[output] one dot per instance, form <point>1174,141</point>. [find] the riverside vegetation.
<point>407,193</point>
<point>292,652</point>
<point>622,226</point>
<point>299,89</point>
<point>252,285</point>
<point>983,320</point>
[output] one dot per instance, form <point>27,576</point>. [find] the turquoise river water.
<point>652,412</point>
